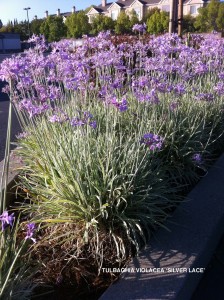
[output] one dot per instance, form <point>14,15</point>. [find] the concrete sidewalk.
<point>173,264</point>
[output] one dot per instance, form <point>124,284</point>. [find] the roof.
<point>199,1</point>
<point>126,3</point>
<point>66,14</point>
<point>151,2</point>
<point>104,8</point>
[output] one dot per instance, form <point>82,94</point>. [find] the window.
<point>138,12</point>
<point>114,14</point>
<point>91,17</point>
<point>166,8</point>
<point>193,9</point>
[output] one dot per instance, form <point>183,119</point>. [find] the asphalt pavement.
<point>4,107</point>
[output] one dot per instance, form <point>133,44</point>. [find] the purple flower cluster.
<point>59,116</point>
<point>6,219</point>
<point>83,119</point>
<point>139,27</point>
<point>153,141</point>
<point>209,97</point>
<point>32,107</point>
<point>122,105</point>
<point>22,135</point>
<point>150,70</point>
<point>219,88</point>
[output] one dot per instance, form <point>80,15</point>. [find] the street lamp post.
<point>27,9</point>
<point>173,16</point>
<point>180,17</point>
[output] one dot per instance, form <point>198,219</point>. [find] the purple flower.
<point>179,89</point>
<point>121,105</point>
<point>22,135</point>
<point>54,119</point>
<point>93,124</point>
<point>31,108</point>
<point>139,27</point>
<point>87,115</point>
<point>200,68</point>
<point>6,89</point>
<point>197,158</point>
<point>59,117</point>
<point>173,106</point>
<point>83,119</point>
<point>6,219</point>
<point>219,88</point>
<point>153,141</point>
<point>77,122</point>
<point>221,75</point>
<point>209,97</point>
<point>147,96</point>
<point>30,232</point>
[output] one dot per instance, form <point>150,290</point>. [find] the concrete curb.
<point>14,164</point>
<point>174,262</point>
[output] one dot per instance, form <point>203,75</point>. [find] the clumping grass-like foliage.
<point>112,135</point>
<point>15,270</point>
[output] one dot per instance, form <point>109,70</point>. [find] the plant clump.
<point>114,134</point>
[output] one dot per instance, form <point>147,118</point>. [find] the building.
<point>63,15</point>
<point>112,9</point>
<point>141,7</point>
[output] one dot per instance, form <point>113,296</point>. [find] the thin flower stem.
<point>11,269</point>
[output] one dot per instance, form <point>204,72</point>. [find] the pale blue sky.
<point>14,9</point>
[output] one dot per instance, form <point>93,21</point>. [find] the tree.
<point>149,13</point>
<point>202,22</point>
<point>208,17</point>
<point>53,28</point>
<point>45,27</point>
<point>88,9</point>
<point>8,27</point>
<point>15,27</point>
<point>158,22</point>
<point>77,24</point>
<point>220,18</point>
<point>188,23</point>
<point>123,24</point>
<point>213,9</point>
<point>15,22</point>
<point>35,26</point>
<point>22,29</point>
<point>102,23</point>
<point>133,18</point>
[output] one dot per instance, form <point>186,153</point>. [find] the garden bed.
<point>114,135</point>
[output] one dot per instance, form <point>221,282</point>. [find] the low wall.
<point>12,177</point>
<point>172,265</point>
